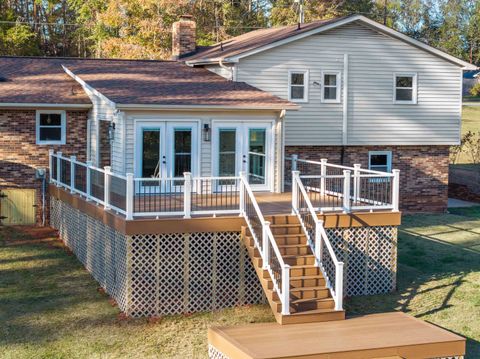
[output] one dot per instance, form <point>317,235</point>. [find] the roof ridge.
<point>82,58</point>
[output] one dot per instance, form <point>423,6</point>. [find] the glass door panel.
<point>227,155</point>
<point>150,153</point>
<point>257,156</point>
<point>182,158</point>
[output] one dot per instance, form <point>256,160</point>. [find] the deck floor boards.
<point>370,336</point>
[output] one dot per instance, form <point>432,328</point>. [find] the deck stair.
<point>310,299</point>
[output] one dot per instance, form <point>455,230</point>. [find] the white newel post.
<point>294,162</point>
<point>339,286</point>
<point>295,180</point>
<point>286,289</point>
<point>346,190</point>
<point>265,246</point>
<point>106,187</point>
<point>50,165</point>
<point>323,174</point>
<point>242,192</point>
<point>59,167</point>
<point>129,197</point>
<point>88,185</point>
<point>356,181</point>
<point>396,190</point>
<point>318,242</point>
<point>187,195</point>
<point>73,159</point>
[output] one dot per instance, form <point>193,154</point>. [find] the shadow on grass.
<point>432,271</point>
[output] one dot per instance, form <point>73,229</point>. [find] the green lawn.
<point>50,306</point>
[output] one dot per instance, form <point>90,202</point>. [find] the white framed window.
<point>298,85</point>
<point>50,127</point>
<point>331,86</point>
<point>405,88</point>
<point>380,161</point>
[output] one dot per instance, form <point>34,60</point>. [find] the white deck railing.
<point>146,197</point>
<point>272,260</point>
<point>331,267</point>
<point>333,187</point>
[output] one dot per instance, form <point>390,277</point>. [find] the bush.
<point>475,90</point>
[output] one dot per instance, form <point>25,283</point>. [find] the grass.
<point>470,122</point>
<point>50,306</point>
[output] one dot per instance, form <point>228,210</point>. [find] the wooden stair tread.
<point>292,245</point>
<point>307,300</point>
<point>299,289</point>
<point>286,225</point>
<point>315,311</point>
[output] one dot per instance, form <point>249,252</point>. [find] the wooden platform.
<point>387,335</point>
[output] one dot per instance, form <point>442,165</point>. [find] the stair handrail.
<point>320,238</point>
<point>263,241</point>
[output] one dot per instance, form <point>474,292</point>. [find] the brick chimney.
<point>183,37</point>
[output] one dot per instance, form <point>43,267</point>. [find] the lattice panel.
<point>191,272</point>
<point>214,353</point>
<point>102,250</point>
<point>370,258</point>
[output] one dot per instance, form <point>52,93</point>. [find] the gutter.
<point>121,106</point>
<point>45,105</point>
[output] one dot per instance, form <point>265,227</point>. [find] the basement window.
<point>380,161</point>
<point>298,86</point>
<point>331,87</point>
<point>51,127</point>
<point>405,88</point>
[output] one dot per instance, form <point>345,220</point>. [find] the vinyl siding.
<point>373,118</point>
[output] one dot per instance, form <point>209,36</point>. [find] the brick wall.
<point>20,155</point>
<point>423,170</point>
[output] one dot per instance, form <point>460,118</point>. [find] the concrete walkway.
<point>458,203</point>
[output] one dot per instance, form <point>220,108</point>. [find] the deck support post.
<point>187,195</point>
<point>88,180</point>
<point>265,245</point>
<point>295,180</point>
<point>396,190</point>
<point>323,174</point>
<point>356,181</point>
<point>59,168</point>
<point>339,286</point>
<point>286,289</point>
<point>129,197</point>
<point>346,190</point>
<point>50,165</point>
<point>73,159</point>
<point>106,187</point>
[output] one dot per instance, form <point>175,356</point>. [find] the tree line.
<point>142,28</point>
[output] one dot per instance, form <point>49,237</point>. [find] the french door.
<point>244,147</point>
<point>165,150</point>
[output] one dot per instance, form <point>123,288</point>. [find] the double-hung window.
<point>50,127</point>
<point>298,86</point>
<point>331,85</point>
<point>380,161</point>
<point>405,88</point>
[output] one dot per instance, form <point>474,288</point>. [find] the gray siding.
<point>373,118</point>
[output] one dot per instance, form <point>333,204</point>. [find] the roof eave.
<point>35,105</point>
<point>273,107</point>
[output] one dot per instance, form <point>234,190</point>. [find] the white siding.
<point>221,71</point>
<point>373,119</point>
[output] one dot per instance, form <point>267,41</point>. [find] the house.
<point>270,167</point>
<point>470,78</point>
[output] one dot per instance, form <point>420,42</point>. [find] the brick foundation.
<point>423,170</point>
<point>20,155</point>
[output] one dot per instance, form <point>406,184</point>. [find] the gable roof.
<point>49,81</point>
<point>260,40</point>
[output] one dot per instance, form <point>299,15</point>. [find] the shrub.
<point>475,90</point>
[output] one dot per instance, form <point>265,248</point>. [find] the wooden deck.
<point>387,335</point>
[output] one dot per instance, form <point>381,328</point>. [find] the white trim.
<point>45,105</point>
<point>63,126</point>
<point>414,88</point>
<point>386,153</point>
<point>121,106</point>
<point>338,86</point>
<point>382,28</point>
<point>305,85</point>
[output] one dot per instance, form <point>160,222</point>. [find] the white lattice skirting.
<point>151,275</point>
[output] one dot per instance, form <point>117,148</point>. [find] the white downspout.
<point>282,151</point>
<point>345,101</point>
<point>229,69</point>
